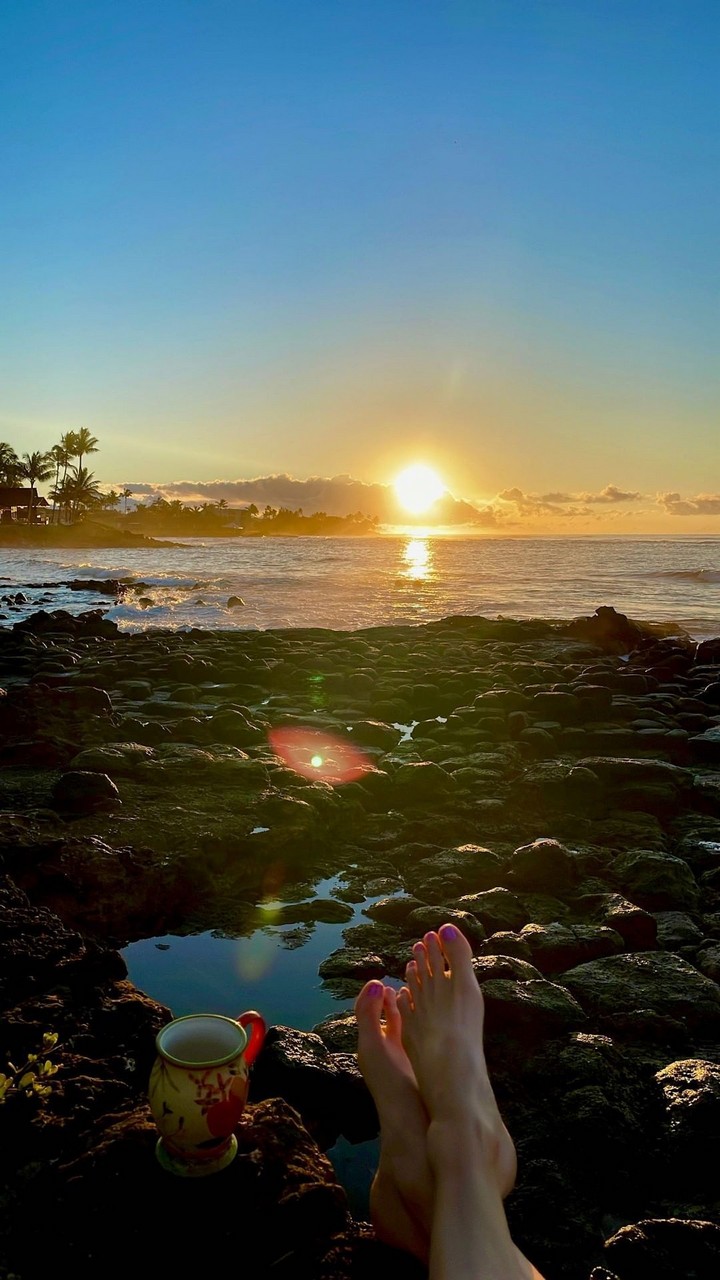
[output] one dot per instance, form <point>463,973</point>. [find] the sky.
<point>272,246</point>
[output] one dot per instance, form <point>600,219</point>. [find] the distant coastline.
<point>84,534</point>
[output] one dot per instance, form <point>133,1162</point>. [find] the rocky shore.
<point>553,788</point>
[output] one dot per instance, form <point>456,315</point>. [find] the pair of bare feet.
<point>446,1159</point>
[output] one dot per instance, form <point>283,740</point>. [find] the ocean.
<point>349,583</point>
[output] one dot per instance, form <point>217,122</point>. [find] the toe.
<point>412,978</point>
<point>391,1013</point>
<point>457,949</point>
<point>422,962</point>
<point>368,1008</point>
<point>436,958</point>
<point>404,1003</point>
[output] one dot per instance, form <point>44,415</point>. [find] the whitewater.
<point>350,583</point>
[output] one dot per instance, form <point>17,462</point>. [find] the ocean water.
<point>349,583</point>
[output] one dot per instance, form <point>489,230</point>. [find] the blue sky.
<point>241,237</point>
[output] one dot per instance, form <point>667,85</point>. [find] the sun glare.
<point>417,488</point>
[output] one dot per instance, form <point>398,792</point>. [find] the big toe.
<point>456,948</point>
<point>368,1011</point>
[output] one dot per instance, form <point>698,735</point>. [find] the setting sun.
<point>418,487</point>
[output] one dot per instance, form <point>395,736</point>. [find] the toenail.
<point>375,989</point>
<point>449,931</point>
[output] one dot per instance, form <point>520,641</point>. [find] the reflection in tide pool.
<point>209,973</point>
<point>418,558</point>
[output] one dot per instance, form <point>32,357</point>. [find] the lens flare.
<point>316,754</point>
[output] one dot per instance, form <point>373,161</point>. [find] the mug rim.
<point>219,1061</point>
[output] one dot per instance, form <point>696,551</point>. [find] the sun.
<point>417,488</point>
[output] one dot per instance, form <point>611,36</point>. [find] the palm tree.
<point>61,495</point>
<point>126,493</point>
<point>60,456</point>
<point>9,464</point>
<point>83,490</point>
<point>84,443</point>
<point>35,466</point>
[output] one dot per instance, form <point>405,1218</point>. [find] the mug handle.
<point>254,1025</point>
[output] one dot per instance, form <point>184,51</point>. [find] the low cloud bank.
<point>705,504</point>
<point>336,496</point>
<point>510,510</point>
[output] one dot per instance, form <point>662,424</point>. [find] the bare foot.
<point>442,1013</point>
<point>401,1198</point>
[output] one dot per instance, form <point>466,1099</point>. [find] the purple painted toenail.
<point>375,989</point>
<point>449,931</point>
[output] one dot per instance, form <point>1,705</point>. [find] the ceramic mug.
<point>198,1089</point>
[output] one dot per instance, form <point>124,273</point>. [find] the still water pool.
<point>268,971</point>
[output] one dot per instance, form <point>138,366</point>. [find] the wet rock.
<point>677,931</point>
<point>503,966</point>
<point>636,927</point>
<point>81,792</point>
<point>392,910</point>
<point>654,980</point>
<point>665,1249</point>
<point>235,602</point>
<point>656,881</point>
<point>374,733</point>
<point>471,867</point>
<point>317,910</point>
<point>423,919</point>
<point>497,909</point>
<point>351,962</point>
<point>544,866</point>
<point>505,943</point>
<point>530,1010</point>
<point>423,781</point>
<point>338,1032</point>
<point>708,961</point>
<point>691,1095</point>
<point>555,947</point>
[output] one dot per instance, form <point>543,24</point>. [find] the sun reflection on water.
<point>417,555</point>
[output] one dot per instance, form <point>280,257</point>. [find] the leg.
<point>402,1194</point>
<point>401,1197</point>
<point>467,1143</point>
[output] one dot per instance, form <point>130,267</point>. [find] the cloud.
<point>335,495</point>
<point>529,504</point>
<point>610,493</point>
<point>704,504</point>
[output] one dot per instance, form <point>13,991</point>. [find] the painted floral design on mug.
<point>199,1086</point>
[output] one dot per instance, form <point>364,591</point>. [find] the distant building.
<point>15,499</point>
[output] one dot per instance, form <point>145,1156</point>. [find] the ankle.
<point>456,1143</point>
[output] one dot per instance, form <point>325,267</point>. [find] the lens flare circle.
<point>418,487</point>
<point>316,754</point>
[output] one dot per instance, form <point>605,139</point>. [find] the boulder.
<point>654,980</point>
<point>81,792</point>
<point>665,1249</point>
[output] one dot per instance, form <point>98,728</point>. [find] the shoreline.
<point>558,798</point>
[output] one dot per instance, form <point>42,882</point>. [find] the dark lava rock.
<point>545,866</point>
<point>427,918</point>
<point>656,881</point>
<point>497,909</point>
<point>637,928</point>
<point>658,981</point>
<point>665,1249</point>
<point>392,910</point>
<point>555,947</point>
<point>530,1011</point>
<point>691,1093</point>
<point>82,792</point>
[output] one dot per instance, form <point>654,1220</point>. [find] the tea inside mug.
<point>201,1040</point>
